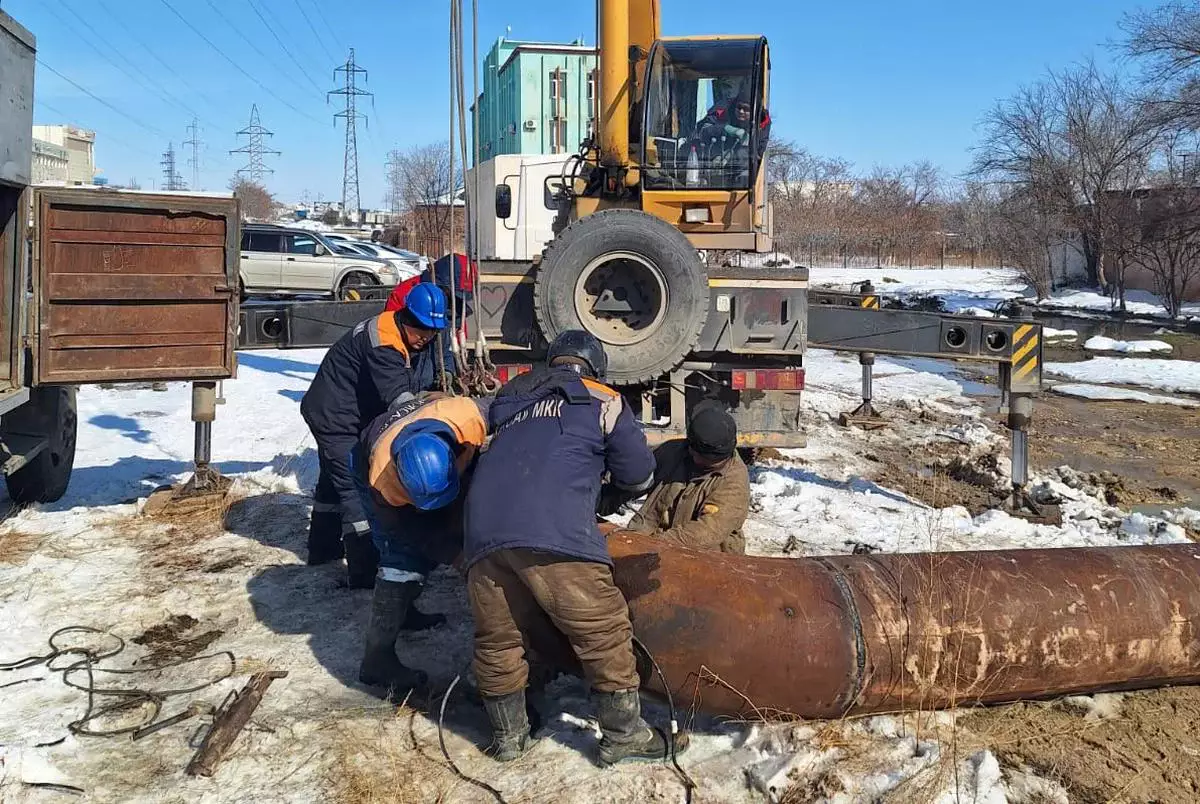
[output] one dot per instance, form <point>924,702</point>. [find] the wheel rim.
<point>621,298</point>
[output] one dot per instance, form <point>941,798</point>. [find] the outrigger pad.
<point>863,416</point>
<point>204,491</point>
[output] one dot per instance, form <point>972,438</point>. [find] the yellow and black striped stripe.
<point>1026,356</point>
<point>869,302</point>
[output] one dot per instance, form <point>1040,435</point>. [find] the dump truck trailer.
<point>97,286</point>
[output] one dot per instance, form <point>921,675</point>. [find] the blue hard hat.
<point>426,303</point>
<point>424,462</point>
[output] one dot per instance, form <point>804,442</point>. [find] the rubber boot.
<point>381,667</point>
<point>417,620</point>
<point>626,736</point>
<point>362,560</point>
<point>510,726</point>
<point>324,537</point>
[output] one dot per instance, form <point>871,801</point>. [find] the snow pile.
<point>1175,376</point>
<point>1108,394</point>
<point>1099,343</point>
<point>1051,334</point>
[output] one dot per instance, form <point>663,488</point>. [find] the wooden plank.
<point>89,259</point>
<point>110,219</point>
<point>90,237</point>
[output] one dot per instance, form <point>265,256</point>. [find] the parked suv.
<point>276,259</point>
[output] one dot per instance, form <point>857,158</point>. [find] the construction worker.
<point>368,369</point>
<point>701,492</point>
<point>533,551</point>
<point>408,468</point>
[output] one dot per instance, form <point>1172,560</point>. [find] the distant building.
<point>537,98</point>
<point>80,145</point>
<point>50,163</point>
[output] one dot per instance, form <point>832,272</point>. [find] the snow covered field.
<point>1165,375</point>
<point>976,291</point>
<point>238,583</point>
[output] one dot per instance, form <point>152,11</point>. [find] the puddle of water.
<point>973,378</point>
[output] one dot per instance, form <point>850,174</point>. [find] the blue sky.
<point>872,81</point>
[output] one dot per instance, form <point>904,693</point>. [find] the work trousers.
<point>411,542</point>
<point>525,600</point>
<point>337,507</point>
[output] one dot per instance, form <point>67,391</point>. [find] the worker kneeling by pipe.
<point>411,466</point>
<point>537,562</point>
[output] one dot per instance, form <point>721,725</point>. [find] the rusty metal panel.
<point>135,286</point>
<point>13,206</point>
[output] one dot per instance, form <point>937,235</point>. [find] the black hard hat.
<point>582,348</point>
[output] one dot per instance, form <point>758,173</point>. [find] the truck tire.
<point>44,479</point>
<point>632,280</point>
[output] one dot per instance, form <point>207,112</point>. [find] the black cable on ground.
<point>688,783</point>
<point>446,753</point>
<point>127,697</point>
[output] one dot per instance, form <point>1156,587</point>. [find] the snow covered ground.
<point>977,291</point>
<point>1165,375</point>
<point>238,583</point>
<point>1109,394</point>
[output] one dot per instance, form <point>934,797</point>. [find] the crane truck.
<point>631,213</point>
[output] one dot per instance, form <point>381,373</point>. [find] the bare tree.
<point>420,180</point>
<point>1078,141</point>
<point>257,203</point>
<point>1167,215</point>
<point>1167,39</point>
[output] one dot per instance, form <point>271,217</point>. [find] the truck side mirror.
<point>503,201</point>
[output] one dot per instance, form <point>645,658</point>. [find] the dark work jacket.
<point>362,374</point>
<point>536,484</point>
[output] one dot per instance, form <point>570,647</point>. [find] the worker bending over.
<point>368,369</point>
<point>409,469</point>
<point>701,492</point>
<point>533,550</point>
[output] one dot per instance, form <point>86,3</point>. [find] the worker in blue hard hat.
<point>410,467</point>
<point>372,366</point>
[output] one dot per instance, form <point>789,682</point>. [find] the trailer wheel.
<point>633,281</point>
<point>44,479</point>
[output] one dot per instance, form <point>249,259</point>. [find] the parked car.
<point>276,259</point>
<point>406,262</point>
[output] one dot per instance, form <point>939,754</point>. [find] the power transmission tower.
<point>171,178</point>
<point>350,204</point>
<point>254,169</point>
<point>193,142</point>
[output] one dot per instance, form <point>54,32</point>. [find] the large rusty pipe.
<point>614,82</point>
<point>825,637</point>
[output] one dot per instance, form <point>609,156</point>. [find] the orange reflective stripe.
<point>388,333</point>
<point>593,385</point>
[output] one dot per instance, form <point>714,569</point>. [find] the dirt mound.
<point>1146,753</point>
<point>171,640</point>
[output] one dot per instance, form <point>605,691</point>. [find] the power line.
<point>166,66</point>
<point>235,65</point>
<point>133,76</point>
<point>255,169</point>
<point>325,21</point>
<point>313,28</point>
<point>250,42</point>
<point>350,200</point>
<point>283,45</point>
<point>156,132</point>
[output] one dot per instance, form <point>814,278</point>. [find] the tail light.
<point>506,373</point>
<point>768,380</point>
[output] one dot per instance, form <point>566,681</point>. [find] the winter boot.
<point>324,537</point>
<point>362,560</point>
<point>625,735</point>
<point>510,726</point>
<point>417,620</point>
<point>381,667</point>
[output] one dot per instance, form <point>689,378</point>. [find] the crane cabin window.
<point>705,123</point>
